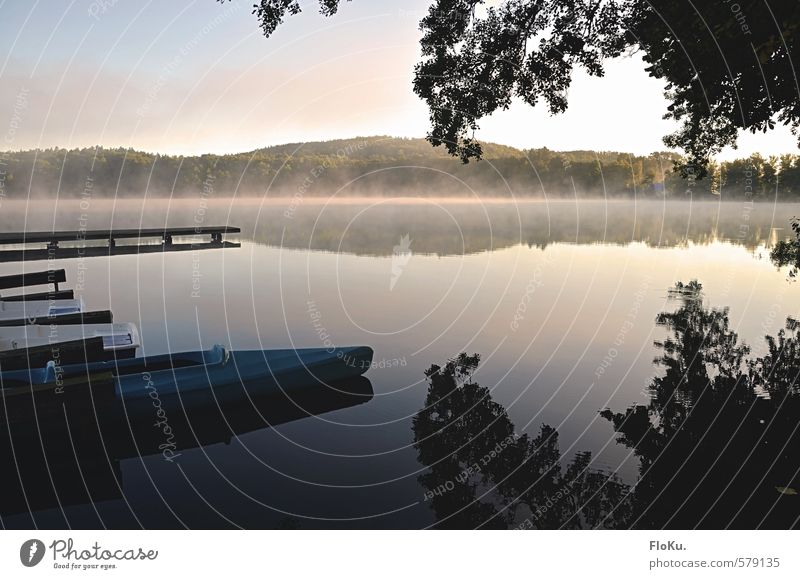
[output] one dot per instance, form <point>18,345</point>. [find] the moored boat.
<point>119,340</point>
<point>94,317</point>
<point>39,308</point>
<point>217,370</point>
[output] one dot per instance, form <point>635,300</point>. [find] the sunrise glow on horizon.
<point>201,78</point>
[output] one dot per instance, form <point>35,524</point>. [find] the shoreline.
<point>400,200</point>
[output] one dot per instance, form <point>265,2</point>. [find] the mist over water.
<point>440,226</point>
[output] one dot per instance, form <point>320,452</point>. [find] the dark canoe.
<point>260,372</point>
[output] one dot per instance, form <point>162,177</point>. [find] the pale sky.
<point>197,76</point>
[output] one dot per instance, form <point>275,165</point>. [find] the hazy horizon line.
<point>343,139</point>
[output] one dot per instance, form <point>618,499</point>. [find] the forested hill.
<point>383,166</point>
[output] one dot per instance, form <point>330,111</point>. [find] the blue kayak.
<point>259,371</point>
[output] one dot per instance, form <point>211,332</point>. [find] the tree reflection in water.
<point>483,475</point>
<point>787,251</point>
<point>717,443</point>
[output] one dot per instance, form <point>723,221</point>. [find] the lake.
<point>560,300</point>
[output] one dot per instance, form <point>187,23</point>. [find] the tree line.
<point>388,166</point>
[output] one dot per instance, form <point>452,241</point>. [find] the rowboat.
<point>39,309</point>
<point>94,317</point>
<point>119,340</point>
<point>225,373</point>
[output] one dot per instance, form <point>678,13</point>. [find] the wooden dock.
<point>52,238</point>
<point>52,250</point>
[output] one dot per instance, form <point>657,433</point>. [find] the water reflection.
<point>787,251</point>
<point>484,475</point>
<point>374,226</point>
<point>453,229</point>
<point>68,453</point>
<point>716,443</point>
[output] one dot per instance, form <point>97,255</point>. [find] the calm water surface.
<point>559,299</point>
